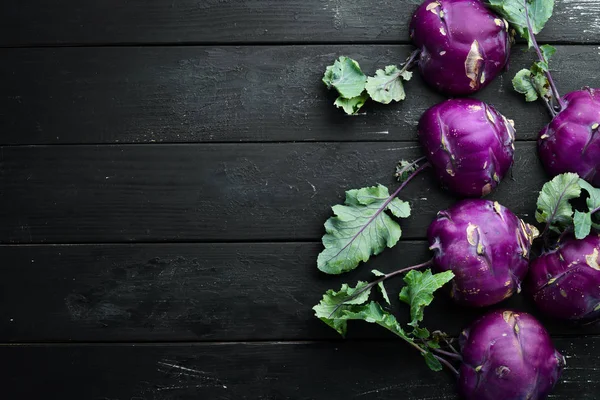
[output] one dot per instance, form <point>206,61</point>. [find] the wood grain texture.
<point>227,192</point>
<point>361,370</point>
<point>190,292</point>
<point>27,22</point>
<point>231,94</point>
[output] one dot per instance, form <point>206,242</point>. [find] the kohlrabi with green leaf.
<point>564,280</point>
<point>468,144</point>
<point>504,354</point>
<point>570,142</point>
<point>461,47</point>
<point>555,209</point>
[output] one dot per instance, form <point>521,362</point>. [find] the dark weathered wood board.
<point>292,370</point>
<point>128,123</point>
<point>27,22</point>
<point>223,192</point>
<point>187,292</point>
<point>231,94</point>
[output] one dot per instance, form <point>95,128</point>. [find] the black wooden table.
<point>165,170</point>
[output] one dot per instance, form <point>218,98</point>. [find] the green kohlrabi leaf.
<point>330,308</point>
<point>374,314</point>
<point>419,289</point>
<point>533,82</point>
<point>547,51</point>
<point>514,12</point>
<point>404,169</point>
<point>381,286</point>
<point>346,76</point>
<point>350,303</point>
<point>432,362</point>
<point>540,82</point>
<point>583,224</point>
<point>386,85</point>
<point>352,105</point>
<point>583,221</point>
<point>522,82</point>
<point>593,202</point>
<point>421,333</point>
<point>361,228</point>
<point>335,314</point>
<point>553,207</point>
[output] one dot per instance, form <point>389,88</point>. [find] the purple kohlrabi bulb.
<point>571,141</point>
<point>463,44</point>
<point>508,355</point>
<point>486,247</point>
<point>565,283</point>
<point>469,144</point>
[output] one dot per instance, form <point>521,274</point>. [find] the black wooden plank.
<point>189,292</point>
<point>229,94</point>
<point>227,192</point>
<point>363,370</point>
<point>27,22</point>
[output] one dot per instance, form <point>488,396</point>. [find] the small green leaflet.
<point>360,228</point>
<point>432,362</point>
<point>404,169</point>
<point>419,289</point>
<point>386,85</point>
<point>553,205</point>
<point>382,287</point>
<point>351,106</point>
<point>582,221</point>
<point>330,308</point>
<point>593,202</point>
<point>374,314</point>
<point>533,82</point>
<point>355,88</point>
<point>335,314</point>
<point>523,83</point>
<point>513,11</point>
<point>583,224</point>
<point>346,77</point>
<point>547,51</point>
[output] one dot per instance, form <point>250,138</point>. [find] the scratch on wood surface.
<point>383,389</point>
<point>186,377</point>
<point>195,371</point>
<point>313,188</point>
<point>402,148</point>
<point>378,133</point>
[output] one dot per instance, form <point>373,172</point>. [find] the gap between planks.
<point>253,43</point>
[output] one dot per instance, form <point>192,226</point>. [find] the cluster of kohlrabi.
<point>479,248</point>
